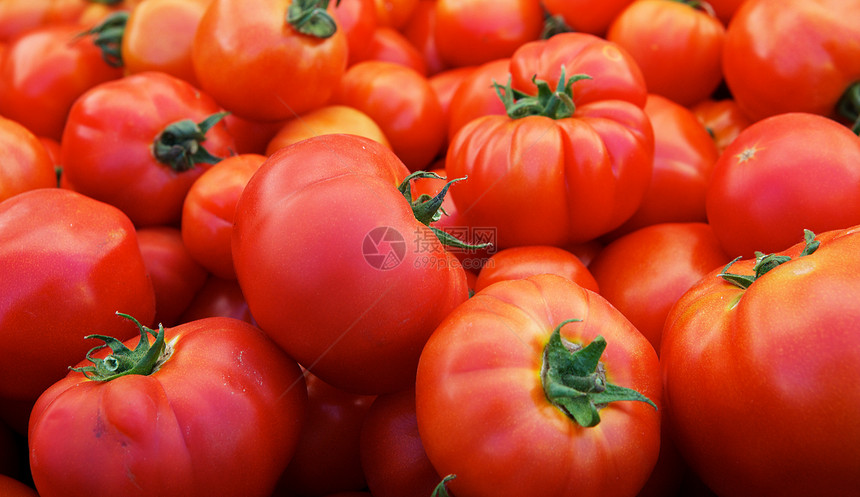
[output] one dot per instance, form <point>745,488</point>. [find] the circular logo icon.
<point>384,248</point>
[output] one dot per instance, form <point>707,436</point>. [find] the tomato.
<point>357,20</point>
<point>723,119</point>
<point>392,455</point>
<point>420,30</point>
<point>182,416</point>
<point>251,137</point>
<point>785,325</point>
<point>782,175</point>
<point>725,9</point>
<point>586,16</point>
<point>792,56</point>
<point>473,32</point>
<point>158,36</point>
<point>17,17</point>
<point>26,164</point>
<point>402,102</point>
<point>565,165</point>
<point>169,135</point>
<point>684,156</point>
<point>327,119</point>
<point>68,263</point>
<point>327,458</point>
<point>10,487</point>
<point>343,275</point>
<point>176,276</point>
<point>489,399</point>
<point>390,45</point>
<point>44,71</point>
<point>644,272</point>
<point>445,84</point>
<point>475,95</point>
<point>666,35</point>
<point>394,13</point>
<point>522,262</point>
<point>218,297</point>
<point>207,213</point>
<point>281,68</point>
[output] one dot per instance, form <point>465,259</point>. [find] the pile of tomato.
<point>414,248</point>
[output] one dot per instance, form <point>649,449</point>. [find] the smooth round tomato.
<point>327,119</point>
<point>10,487</point>
<point>493,410</point>
<point>586,16</point>
<point>251,137</point>
<point>403,104</point>
<point>140,142</point>
<point>476,96</point>
<point>18,17</point>
<point>782,175</point>
<point>394,13</point>
<point>282,68</point>
<point>208,212</point>
<point>44,71</point>
<point>677,46</point>
<point>723,119</point>
<point>218,297</point>
<point>26,164</point>
<point>792,56</point>
<point>390,45</point>
<point>473,32</point>
<point>759,361</point>
<point>69,262</point>
<point>357,20</point>
<point>343,275</point>
<point>420,30</point>
<point>182,417</point>
<point>522,262</point>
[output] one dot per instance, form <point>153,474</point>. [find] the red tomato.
<point>10,487</point>
<point>207,213</point>
<point>644,272</point>
<point>402,102</point>
<point>357,20</point>
<point>343,276</point>
<point>587,16</point>
<point>158,36</point>
<point>475,96</point>
<point>326,120</point>
<point>392,455</point>
<point>168,137</point>
<point>44,71</point>
<point>17,17</point>
<point>420,30</point>
<point>782,175</point>
<point>521,262</point>
<point>282,67</point>
<point>184,416</point>
<point>176,276</point>
<point>445,83</point>
<point>394,13</point>
<point>473,32</point>
<point>326,458</point>
<point>26,164</point>
<point>786,328</point>
<point>677,46</point>
<point>792,56</point>
<point>69,263</point>
<point>390,45</point>
<point>218,297</point>
<point>251,137</point>
<point>723,119</point>
<point>725,9</point>
<point>565,165</point>
<point>684,156</point>
<point>487,376</point>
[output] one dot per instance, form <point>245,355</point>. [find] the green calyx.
<point>766,262</point>
<point>556,104</point>
<point>441,489</point>
<point>143,360</point>
<point>849,106</point>
<point>311,18</point>
<point>428,209</point>
<point>180,144</point>
<point>108,37</point>
<point>574,379</point>
<point>553,25</point>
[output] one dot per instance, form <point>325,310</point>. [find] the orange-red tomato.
<point>391,45</point>
<point>521,262</point>
<point>26,163</point>
<point>327,120</point>
<point>723,119</point>
<point>587,16</point>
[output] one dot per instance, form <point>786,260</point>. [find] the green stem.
<point>311,18</point>
<point>553,25</point>
<point>849,106</point>
<point>556,104</point>
<point>765,263</point>
<point>108,37</point>
<point>143,360</point>
<point>179,145</point>
<point>574,379</point>
<point>441,489</point>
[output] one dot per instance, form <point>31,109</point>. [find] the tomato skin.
<point>10,487</point>
<point>152,192</point>
<point>69,263</point>
<point>26,164</point>
<point>272,75</point>
<point>394,13</point>
<point>218,297</point>
<point>482,410</point>
<point>208,210</point>
<point>722,118</point>
<point>475,96</point>
<point>782,175</point>
<point>792,56</point>
<point>44,71</point>
<point>327,119</point>
<point>20,16</point>
<point>791,339</point>
<point>390,45</point>
<point>357,19</point>
<point>182,430</point>
<point>663,35</point>
<point>420,30</point>
<point>298,261</point>
<point>525,261</point>
<point>586,16</point>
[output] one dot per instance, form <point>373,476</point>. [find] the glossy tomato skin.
<point>759,382</point>
<point>316,275</point>
<point>792,56</point>
<point>586,16</point>
<point>44,71</point>
<point>782,175</point>
<point>26,164</point>
<point>218,297</point>
<point>20,16</point>
<point>475,96</point>
<point>326,120</point>
<point>112,119</point>
<point>522,262</point>
<point>274,74</point>
<point>420,30</point>
<point>69,263</point>
<point>357,19</point>
<point>483,413</point>
<point>723,119</point>
<point>226,394</point>
<point>391,45</point>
